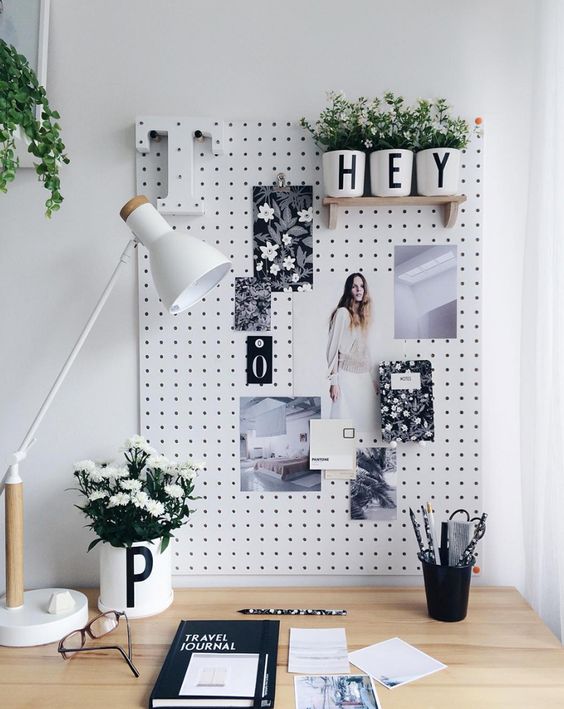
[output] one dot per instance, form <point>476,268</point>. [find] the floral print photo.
<point>283,243</point>
<point>252,304</point>
<point>407,414</point>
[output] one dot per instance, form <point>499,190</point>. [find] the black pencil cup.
<point>447,589</point>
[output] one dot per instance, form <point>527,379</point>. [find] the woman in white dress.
<point>352,378</point>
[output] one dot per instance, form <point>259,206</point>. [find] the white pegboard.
<point>192,368</point>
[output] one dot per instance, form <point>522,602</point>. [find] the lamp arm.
<point>12,474</point>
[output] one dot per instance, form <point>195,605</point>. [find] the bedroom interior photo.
<point>274,445</point>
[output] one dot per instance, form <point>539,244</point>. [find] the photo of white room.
<point>425,286</point>
<point>274,444</point>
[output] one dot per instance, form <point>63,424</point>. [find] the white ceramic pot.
<point>343,173</point>
<point>438,171</point>
<point>136,579</point>
<point>390,173</point>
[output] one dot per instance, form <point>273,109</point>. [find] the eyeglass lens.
<point>103,624</point>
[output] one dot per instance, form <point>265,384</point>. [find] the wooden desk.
<point>500,657</point>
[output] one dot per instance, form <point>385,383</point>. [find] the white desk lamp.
<point>184,269</point>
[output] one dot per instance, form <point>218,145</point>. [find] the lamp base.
<point>31,624</point>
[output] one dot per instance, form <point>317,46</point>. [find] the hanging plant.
<point>24,109</point>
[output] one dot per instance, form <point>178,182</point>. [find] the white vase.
<point>343,173</point>
<point>438,171</point>
<point>136,579</point>
<point>390,172</point>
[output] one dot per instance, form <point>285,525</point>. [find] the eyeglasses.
<point>97,628</point>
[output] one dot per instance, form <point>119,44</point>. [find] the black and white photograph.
<point>425,292</point>
<point>337,330</point>
<point>274,448</point>
<point>374,491</point>
<point>335,692</point>
<point>252,305</point>
<point>406,399</point>
<point>282,238</point>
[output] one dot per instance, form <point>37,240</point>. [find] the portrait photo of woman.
<point>352,375</point>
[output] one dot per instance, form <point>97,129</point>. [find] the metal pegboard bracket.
<point>182,133</point>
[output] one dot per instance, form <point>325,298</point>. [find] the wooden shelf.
<point>449,205</point>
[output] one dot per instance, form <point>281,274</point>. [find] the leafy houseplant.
<point>390,124</point>
<point>24,106</point>
<point>435,127</point>
<point>390,133</point>
<point>144,500</point>
<point>339,132</point>
<point>440,139</point>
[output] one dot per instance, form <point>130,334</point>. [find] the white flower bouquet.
<point>145,499</point>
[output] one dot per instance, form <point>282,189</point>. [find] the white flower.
<point>154,507</point>
<point>288,289</point>
<point>304,287</point>
<point>289,263</point>
<point>306,215</point>
<point>368,144</point>
<point>417,420</point>
<point>259,265</point>
<point>174,491</point>
<point>140,443</point>
<point>158,461</point>
<point>403,427</point>
<point>274,269</point>
<point>286,239</point>
<point>110,472</point>
<point>96,495</point>
<point>119,499</point>
<point>133,485</point>
<point>295,277</point>
<point>88,466</point>
<point>388,427</point>
<point>140,499</point>
<point>188,470</point>
<point>265,212</point>
<point>269,251</point>
<point>97,475</point>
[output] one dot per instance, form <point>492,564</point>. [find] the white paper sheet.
<point>394,662</point>
<point>318,651</point>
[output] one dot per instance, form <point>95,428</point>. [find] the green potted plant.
<point>339,133</point>
<point>440,138</point>
<point>389,133</point>
<point>134,509</point>
<point>25,113</point>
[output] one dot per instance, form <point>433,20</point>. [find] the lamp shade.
<point>184,268</point>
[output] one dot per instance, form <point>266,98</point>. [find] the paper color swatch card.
<point>332,445</point>
<point>318,651</point>
<point>394,662</point>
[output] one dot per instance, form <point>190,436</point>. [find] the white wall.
<point>110,61</point>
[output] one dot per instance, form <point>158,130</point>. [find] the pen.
<point>433,532</point>
<point>417,531</point>
<point>432,559</point>
<point>291,611</point>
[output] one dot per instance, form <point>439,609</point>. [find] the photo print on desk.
<point>407,402</point>
<point>425,292</point>
<point>282,237</point>
<point>274,456</point>
<point>374,490</point>
<point>336,335</point>
<point>252,304</point>
<point>335,692</point>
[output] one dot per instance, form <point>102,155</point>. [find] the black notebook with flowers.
<point>214,664</point>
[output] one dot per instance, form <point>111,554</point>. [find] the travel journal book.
<point>219,663</point>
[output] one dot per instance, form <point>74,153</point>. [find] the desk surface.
<point>501,656</point>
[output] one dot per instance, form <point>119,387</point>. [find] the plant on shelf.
<point>340,125</point>
<point>339,132</point>
<point>390,134</point>
<point>143,500</point>
<point>25,112</point>
<point>436,127</point>
<point>390,124</point>
<point>440,138</point>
